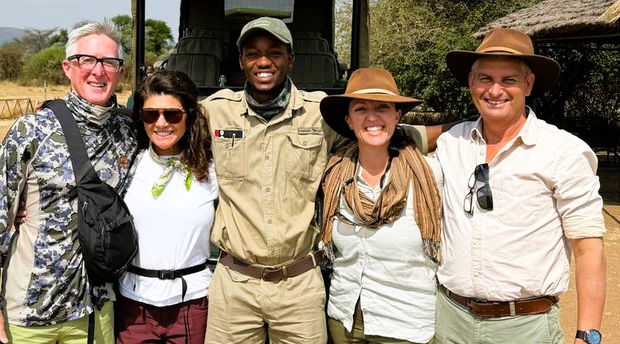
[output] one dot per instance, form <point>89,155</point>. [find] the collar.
<point>527,134</point>
<point>295,103</point>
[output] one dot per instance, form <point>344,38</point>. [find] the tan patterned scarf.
<point>407,167</point>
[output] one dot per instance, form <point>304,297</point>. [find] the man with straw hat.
<point>270,147</point>
<point>519,195</point>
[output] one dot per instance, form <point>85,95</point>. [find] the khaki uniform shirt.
<point>269,176</point>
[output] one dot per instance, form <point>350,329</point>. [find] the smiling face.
<point>96,85</point>
<point>498,87</point>
<point>373,122</point>
<point>266,62</point>
<point>165,136</point>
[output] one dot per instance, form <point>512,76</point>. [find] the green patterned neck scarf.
<point>86,111</point>
<point>171,164</point>
<point>273,107</point>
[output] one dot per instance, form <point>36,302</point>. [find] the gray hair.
<point>525,69</point>
<point>106,28</point>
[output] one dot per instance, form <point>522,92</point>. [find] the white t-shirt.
<point>173,233</point>
<point>389,273</point>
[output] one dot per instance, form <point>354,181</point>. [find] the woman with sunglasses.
<point>163,296</point>
<point>381,218</point>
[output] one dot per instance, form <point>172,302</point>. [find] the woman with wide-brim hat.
<point>381,218</point>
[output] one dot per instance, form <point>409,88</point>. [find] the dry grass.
<point>11,90</point>
<point>36,95</point>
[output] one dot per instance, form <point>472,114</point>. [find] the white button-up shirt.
<point>388,271</point>
<point>545,191</point>
<point>173,233</point>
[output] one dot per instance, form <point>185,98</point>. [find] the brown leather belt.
<point>496,309</point>
<point>276,273</point>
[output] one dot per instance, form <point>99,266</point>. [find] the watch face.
<point>594,337</point>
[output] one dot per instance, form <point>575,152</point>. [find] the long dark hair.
<point>196,143</point>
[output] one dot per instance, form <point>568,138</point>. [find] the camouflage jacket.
<point>46,280</point>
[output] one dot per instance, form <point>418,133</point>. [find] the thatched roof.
<point>564,19</point>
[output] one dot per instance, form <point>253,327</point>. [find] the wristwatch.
<point>590,336</point>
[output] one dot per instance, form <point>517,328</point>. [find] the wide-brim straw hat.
<point>506,42</point>
<point>368,84</point>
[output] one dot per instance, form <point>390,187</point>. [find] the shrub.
<point>45,66</point>
<point>11,61</point>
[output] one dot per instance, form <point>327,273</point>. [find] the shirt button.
<point>305,142</point>
<point>269,221</point>
<point>266,157</point>
<point>268,189</point>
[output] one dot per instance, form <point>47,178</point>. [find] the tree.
<point>35,40</point>
<point>411,38</point>
<point>158,36</point>
<point>342,37</point>
<point>45,66</point>
<point>123,25</point>
<point>11,61</point>
<point>59,39</point>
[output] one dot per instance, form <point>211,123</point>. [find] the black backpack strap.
<point>79,160</point>
<point>77,150</point>
<point>91,328</point>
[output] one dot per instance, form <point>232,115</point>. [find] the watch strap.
<point>583,335</point>
<point>591,336</point>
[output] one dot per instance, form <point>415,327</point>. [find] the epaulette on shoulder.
<point>227,94</point>
<point>314,96</point>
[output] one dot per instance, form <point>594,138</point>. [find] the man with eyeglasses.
<point>46,293</point>
<point>519,196</point>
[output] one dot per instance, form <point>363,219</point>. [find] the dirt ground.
<point>609,173</point>
<point>610,189</point>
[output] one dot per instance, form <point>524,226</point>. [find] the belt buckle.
<point>165,274</point>
<point>269,274</point>
<point>473,303</point>
<point>477,300</point>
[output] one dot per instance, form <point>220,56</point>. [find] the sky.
<point>45,14</point>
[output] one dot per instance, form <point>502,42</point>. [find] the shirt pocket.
<point>229,158</point>
<point>522,202</point>
<point>302,153</point>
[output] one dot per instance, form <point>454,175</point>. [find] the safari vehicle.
<point>208,30</point>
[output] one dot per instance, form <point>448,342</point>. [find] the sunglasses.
<point>483,193</point>
<point>151,115</point>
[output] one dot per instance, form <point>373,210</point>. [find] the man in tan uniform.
<point>270,147</point>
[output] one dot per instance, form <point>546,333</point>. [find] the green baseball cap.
<point>274,26</point>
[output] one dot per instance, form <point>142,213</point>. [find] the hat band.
<point>374,90</point>
<point>497,49</point>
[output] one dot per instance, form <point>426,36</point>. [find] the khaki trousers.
<point>246,310</point>
<point>340,335</point>
<point>456,325</point>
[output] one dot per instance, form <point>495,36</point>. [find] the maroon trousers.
<point>141,323</point>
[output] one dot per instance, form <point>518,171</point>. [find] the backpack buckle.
<point>166,274</point>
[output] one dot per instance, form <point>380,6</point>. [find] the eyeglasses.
<point>151,115</point>
<point>88,62</point>
<point>483,193</point>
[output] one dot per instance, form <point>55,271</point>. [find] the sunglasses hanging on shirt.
<point>483,192</point>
